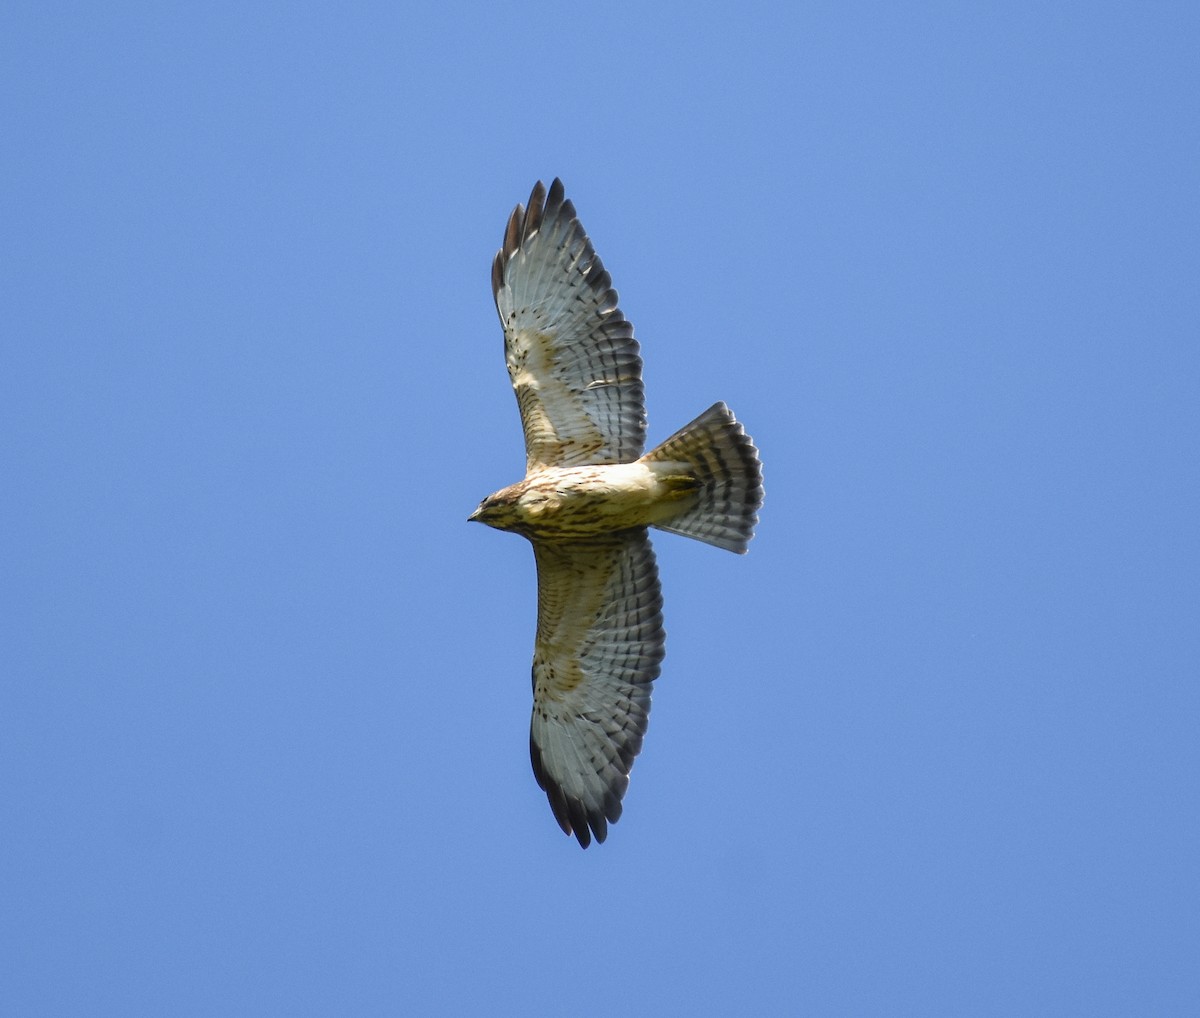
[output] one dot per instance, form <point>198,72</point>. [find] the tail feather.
<point>718,453</point>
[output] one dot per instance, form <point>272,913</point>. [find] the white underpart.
<point>621,494</point>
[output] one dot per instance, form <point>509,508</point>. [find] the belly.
<point>579,502</point>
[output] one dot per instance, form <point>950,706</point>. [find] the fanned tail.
<point>716,451</point>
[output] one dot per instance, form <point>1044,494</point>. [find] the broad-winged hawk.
<point>585,504</point>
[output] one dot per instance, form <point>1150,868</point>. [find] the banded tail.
<point>719,454</point>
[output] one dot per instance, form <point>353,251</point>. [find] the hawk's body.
<point>571,503</point>
<point>585,503</point>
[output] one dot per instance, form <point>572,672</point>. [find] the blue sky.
<point>929,749</point>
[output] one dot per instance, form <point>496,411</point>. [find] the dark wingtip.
<point>497,273</point>
<point>572,816</point>
<point>523,223</point>
<point>533,214</point>
<point>512,232</point>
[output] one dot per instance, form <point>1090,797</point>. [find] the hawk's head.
<point>498,510</point>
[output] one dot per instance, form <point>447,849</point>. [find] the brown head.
<point>499,510</point>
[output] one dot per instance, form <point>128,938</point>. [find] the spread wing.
<point>571,354</point>
<point>599,646</point>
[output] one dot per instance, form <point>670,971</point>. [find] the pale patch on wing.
<point>599,646</point>
<point>571,354</point>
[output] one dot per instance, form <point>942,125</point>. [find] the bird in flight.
<point>588,497</point>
